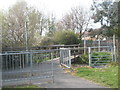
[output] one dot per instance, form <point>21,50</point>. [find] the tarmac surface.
<point>65,80</point>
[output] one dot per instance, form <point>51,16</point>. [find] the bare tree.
<point>77,20</point>
<point>81,20</point>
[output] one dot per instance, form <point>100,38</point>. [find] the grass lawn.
<point>23,87</point>
<point>106,76</point>
<point>27,86</point>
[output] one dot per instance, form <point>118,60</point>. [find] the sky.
<point>56,7</point>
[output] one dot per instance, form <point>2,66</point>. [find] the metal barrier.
<point>100,55</point>
<point>65,57</point>
<point>40,65</point>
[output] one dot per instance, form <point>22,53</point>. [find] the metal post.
<point>60,57</point>
<point>112,52</point>
<point>84,46</point>
<point>1,71</point>
<point>99,44</point>
<point>114,47</point>
<point>69,58</point>
<point>89,51</point>
<point>52,67</point>
<point>26,42</point>
<point>31,71</point>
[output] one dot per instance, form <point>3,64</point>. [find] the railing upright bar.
<point>31,66</point>
<point>89,51</point>
<point>69,58</point>
<point>6,62</point>
<point>52,66</point>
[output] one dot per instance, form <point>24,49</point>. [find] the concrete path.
<point>65,80</point>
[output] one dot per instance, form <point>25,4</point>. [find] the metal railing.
<point>65,57</point>
<point>41,64</point>
<point>100,55</point>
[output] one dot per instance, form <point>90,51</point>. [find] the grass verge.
<point>105,76</point>
<point>23,87</point>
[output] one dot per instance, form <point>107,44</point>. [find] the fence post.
<point>112,54</point>
<point>70,58</point>
<point>114,45</point>
<point>89,51</point>
<point>99,44</point>
<point>31,65</point>
<point>1,59</point>
<point>52,67</point>
<point>60,56</point>
<point>27,58</point>
<point>84,46</point>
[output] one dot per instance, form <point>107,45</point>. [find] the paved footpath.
<point>65,80</point>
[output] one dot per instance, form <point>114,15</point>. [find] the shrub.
<point>47,41</point>
<point>83,59</point>
<point>112,64</point>
<point>66,37</point>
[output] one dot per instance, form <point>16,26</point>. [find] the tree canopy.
<point>66,37</point>
<point>106,13</point>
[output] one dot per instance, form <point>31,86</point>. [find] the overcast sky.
<point>57,7</point>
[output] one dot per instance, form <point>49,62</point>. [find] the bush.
<point>112,64</point>
<point>47,41</point>
<point>66,37</point>
<point>83,59</point>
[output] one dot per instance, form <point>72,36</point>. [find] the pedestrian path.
<point>65,80</point>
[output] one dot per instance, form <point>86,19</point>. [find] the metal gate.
<point>25,67</point>
<point>65,57</point>
<point>100,55</point>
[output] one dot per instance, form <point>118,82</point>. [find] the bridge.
<point>25,67</point>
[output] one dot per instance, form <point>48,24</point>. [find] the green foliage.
<point>105,76</point>
<point>84,59</point>
<point>101,55</point>
<point>41,58</point>
<point>23,87</point>
<point>14,27</point>
<point>28,86</point>
<point>66,37</point>
<point>61,37</point>
<point>109,10</point>
<point>47,41</point>
<point>101,58</point>
<point>112,64</point>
